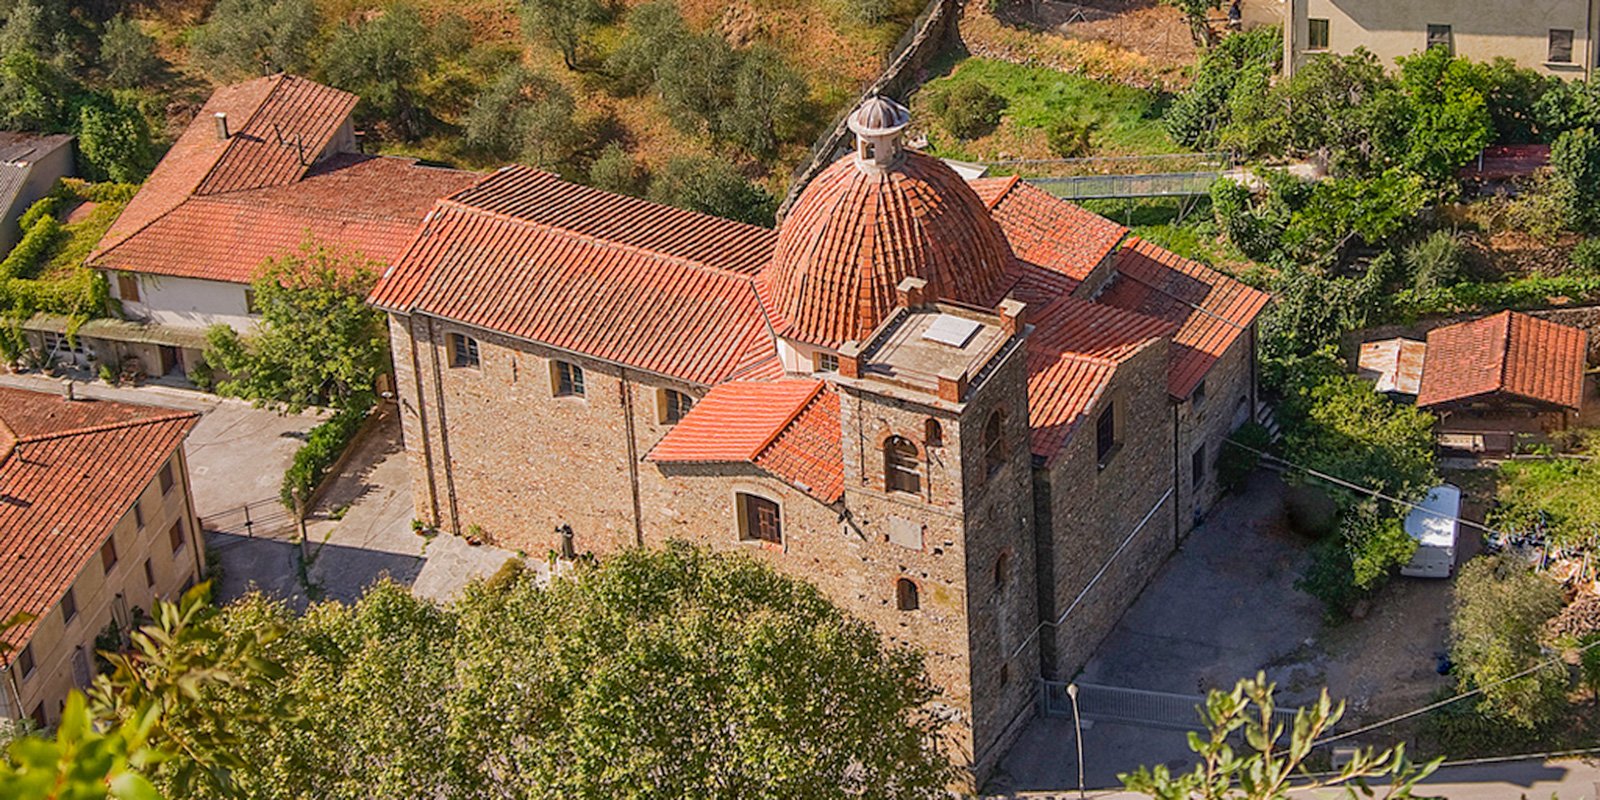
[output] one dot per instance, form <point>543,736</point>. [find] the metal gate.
<point>1135,706</point>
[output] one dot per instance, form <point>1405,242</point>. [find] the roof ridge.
<point>794,416</point>
<point>233,141</point>
<point>1505,350</point>
<point>1011,183</point>
<point>108,426</point>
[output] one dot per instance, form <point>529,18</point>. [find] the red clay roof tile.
<point>72,471</point>
<point>1507,353</point>
<point>1049,232</point>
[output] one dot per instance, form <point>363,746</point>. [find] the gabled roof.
<point>69,470</point>
<point>1211,310</point>
<point>216,208</point>
<point>790,428</point>
<point>484,260</point>
<point>1046,231</point>
<point>1073,352</point>
<point>1507,354</point>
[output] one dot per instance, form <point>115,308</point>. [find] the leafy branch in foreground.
<point>1272,768</point>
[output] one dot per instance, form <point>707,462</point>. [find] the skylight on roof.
<point>951,330</point>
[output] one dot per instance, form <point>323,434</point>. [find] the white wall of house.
<point>186,302</point>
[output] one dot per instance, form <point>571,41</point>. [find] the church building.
<point>972,414</point>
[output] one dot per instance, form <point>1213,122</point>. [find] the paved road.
<point>1529,779</point>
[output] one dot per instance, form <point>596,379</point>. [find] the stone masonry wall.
<point>1228,395</point>
<point>1096,509</point>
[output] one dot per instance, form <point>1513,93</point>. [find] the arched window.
<point>900,473</point>
<point>1002,570</point>
<point>905,595</point>
<point>994,442</point>
<point>932,433</point>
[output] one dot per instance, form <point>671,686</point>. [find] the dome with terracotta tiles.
<point>871,220</point>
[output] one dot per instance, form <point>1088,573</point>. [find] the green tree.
<point>523,115</point>
<point>1248,59</point>
<point>383,59</point>
<point>1435,262</point>
<point>712,186</point>
<point>1574,173</point>
<point>770,103</point>
<point>246,38</point>
<point>614,170</point>
<point>114,140</point>
<point>568,24</point>
<point>81,762</point>
<point>654,33</point>
<point>1271,766</point>
<point>1339,426</point>
<point>1344,108</point>
<point>1450,122</point>
<point>1500,609</point>
<point>33,94</point>
<point>1559,495</point>
<point>1197,13</point>
<point>318,342</point>
<point>128,55</point>
<point>696,85</point>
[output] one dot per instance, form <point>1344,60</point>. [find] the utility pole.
<point>1077,723</point>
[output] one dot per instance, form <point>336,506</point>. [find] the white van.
<point>1435,525</point>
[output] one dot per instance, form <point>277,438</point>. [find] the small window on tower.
<point>933,433</point>
<point>1002,570</point>
<point>1105,435</point>
<point>675,406</point>
<point>569,380</point>
<point>905,595</point>
<point>463,351</point>
<point>1317,34</point>
<point>900,468</point>
<point>994,442</point>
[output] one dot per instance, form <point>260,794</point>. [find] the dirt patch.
<point>1153,30</point>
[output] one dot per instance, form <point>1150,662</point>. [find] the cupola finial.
<point>878,124</point>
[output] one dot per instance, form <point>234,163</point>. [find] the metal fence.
<point>1093,187</point>
<point>261,519</point>
<point>1134,706</point>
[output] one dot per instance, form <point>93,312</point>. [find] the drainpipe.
<point>1177,507</point>
<point>633,455</point>
<point>14,696</point>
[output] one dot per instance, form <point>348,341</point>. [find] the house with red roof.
<point>1501,380</point>
<point>971,413</point>
<point>96,523</point>
<point>267,165</point>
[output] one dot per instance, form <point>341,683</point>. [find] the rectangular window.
<point>1105,434</point>
<point>569,380</point>
<point>463,351</point>
<point>128,287</point>
<point>25,663</point>
<point>167,480</point>
<point>674,406</point>
<point>827,362</point>
<point>138,514</point>
<point>1317,34</point>
<point>108,554</point>
<point>1197,467</point>
<point>760,519</point>
<point>69,605</point>
<point>1197,398</point>
<point>175,535</point>
<point>149,573</point>
<point>1560,46</point>
<point>1440,36</point>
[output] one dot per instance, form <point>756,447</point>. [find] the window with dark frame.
<point>167,479</point>
<point>827,362</point>
<point>676,406</point>
<point>900,468</point>
<point>463,351</point>
<point>128,287</point>
<point>1441,36</point>
<point>149,573</point>
<point>569,380</point>
<point>905,595</point>
<point>1197,467</point>
<point>932,433</point>
<point>175,535</point>
<point>1317,34</point>
<point>108,554</point>
<point>994,442</point>
<point>69,605</point>
<point>138,514</point>
<point>25,662</point>
<point>1560,46</point>
<point>1105,434</point>
<point>762,519</point>
<point>1002,570</point>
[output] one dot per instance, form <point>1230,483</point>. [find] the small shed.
<point>30,165</point>
<point>1393,365</point>
<point>1502,379</point>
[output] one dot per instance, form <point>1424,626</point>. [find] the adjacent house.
<point>30,165</point>
<point>1501,380</point>
<point>971,413</point>
<point>266,166</point>
<point>96,523</point>
<point>1554,37</point>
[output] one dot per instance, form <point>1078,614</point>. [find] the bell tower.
<point>879,125</point>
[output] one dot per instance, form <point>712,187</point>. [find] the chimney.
<point>71,392</point>
<point>911,291</point>
<point>221,119</point>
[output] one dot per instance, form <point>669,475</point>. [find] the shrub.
<point>24,259</point>
<point>524,115</point>
<point>1068,138</point>
<point>1501,607</point>
<point>1575,171</point>
<point>1436,261</point>
<point>114,141</point>
<point>324,444</point>
<point>968,109</point>
<point>128,54</point>
<point>1371,545</point>
<point>614,170</point>
<point>712,186</point>
<point>1234,464</point>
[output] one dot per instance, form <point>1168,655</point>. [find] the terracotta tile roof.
<point>790,428</point>
<point>1211,310</point>
<point>637,307</point>
<point>1073,352</point>
<point>1047,231</point>
<point>368,204</point>
<point>71,471</point>
<point>1507,353</point>
<point>853,235</point>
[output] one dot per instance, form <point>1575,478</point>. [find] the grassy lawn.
<point>1126,120</point>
